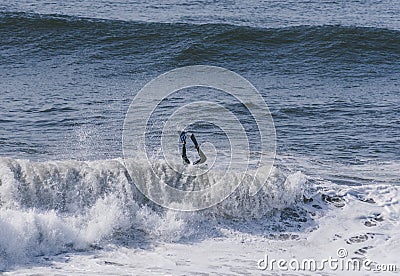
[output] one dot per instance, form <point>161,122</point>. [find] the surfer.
<point>202,156</point>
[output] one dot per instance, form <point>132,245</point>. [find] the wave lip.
<point>70,187</point>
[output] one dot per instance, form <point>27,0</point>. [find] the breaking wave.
<point>56,206</point>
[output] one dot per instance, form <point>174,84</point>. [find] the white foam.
<point>53,207</point>
<point>237,252</point>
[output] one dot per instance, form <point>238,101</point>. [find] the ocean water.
<point>329,72</point>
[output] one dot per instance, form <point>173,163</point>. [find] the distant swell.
<point>96,40</point>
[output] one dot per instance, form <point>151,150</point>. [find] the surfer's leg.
<point>184,157</point>
<point>203,157</point>
<point>196,145</point>
<point>184,150</point>
<point>183,140</point>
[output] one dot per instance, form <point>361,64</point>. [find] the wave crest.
<point>56,206</point>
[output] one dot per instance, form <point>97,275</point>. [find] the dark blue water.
<point>67,81</point>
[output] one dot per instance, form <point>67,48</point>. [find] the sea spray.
<point>57,206</point>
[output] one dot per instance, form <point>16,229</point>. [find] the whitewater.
<point>88,217</point>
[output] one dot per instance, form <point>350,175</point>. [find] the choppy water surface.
<point>329,73</point>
